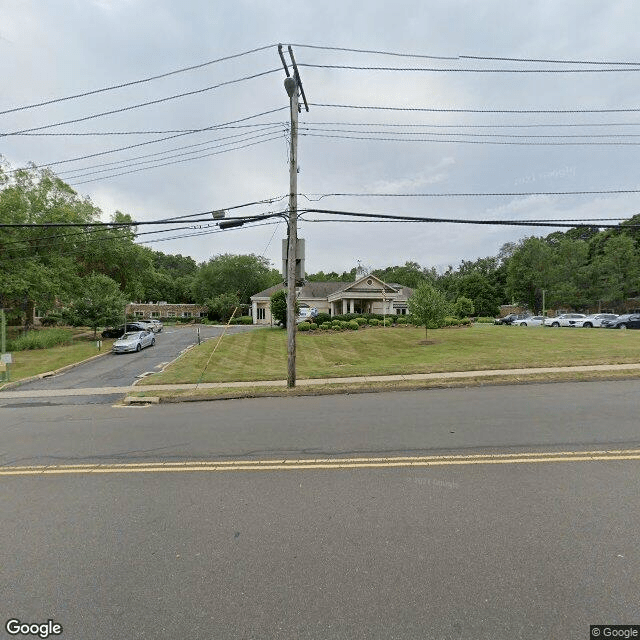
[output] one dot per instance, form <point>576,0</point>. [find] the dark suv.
<point>118,332</point>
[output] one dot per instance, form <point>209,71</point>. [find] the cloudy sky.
<point>429,140</point>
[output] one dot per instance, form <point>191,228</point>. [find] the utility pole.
<point>293,87</point>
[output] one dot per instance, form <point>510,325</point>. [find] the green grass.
<point>262,354</point>
<point>35,361</point>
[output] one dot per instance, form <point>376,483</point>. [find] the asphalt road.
<point>124,369</point>
<point>457,549</point>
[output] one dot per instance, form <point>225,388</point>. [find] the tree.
<point>279,307</point>
<point>429,306</point>
<point>99,303</point>
<point>222,306</point>
<point>463,307</point>
<point>241,275</point>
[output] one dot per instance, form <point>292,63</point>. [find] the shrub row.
<point>42,339</point>
<point>242,320</point>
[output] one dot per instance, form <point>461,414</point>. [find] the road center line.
<point>324,463</point>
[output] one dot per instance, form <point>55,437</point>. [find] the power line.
<point>269,131</point>
<point>549,61</point>
<point>447,110</point>
<point>518,223</point>
<point>494,142</point>
<point>166,164</point>
<point>141,104</point>
<point>320,196</point>
<point>463,70</point>
<point>142,144</point>
<point>134,82</point>
<point>383,53</point>
<point>477,126</point>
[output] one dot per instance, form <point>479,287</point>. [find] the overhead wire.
<point>346,67</point>
<point>135,82</point>
<point>141,104</point>
<point>454,110</point>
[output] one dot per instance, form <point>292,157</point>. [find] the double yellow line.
<point>305,464</point>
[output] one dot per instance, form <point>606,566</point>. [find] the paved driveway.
<point>124,369</point>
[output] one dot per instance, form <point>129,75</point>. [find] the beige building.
<point>367,294</point>
<point>165,310</point>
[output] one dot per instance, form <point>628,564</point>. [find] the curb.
<point>48,374</point>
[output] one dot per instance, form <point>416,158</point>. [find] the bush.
<point>313,326</point>
<point>242,320</point>
<point>304,326</point>
<point>51,320</point>
<point>374,322</point>
<point>43,339</point>
<point>485,320</point>
<point>387,322</point>
<point>465,322</point>
<point>353,325</point>
<point>361,320</point>
<point>402,320</point>
<point>325,326</point>
<point>321,318</point>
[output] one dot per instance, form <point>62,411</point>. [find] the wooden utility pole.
<point>292,90</point>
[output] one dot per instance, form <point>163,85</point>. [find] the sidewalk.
<point>450,375</point>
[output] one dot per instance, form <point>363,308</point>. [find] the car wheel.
<point>622,326</point>
<point>153,342</point>
<point>523,324</point>
<point>138,347</point>
<point>587,325</point>
<point>555,324</point>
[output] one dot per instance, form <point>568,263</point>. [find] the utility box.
<point>300,252</point>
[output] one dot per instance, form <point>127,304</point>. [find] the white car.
<point>134,341</point>
<point>566,320</point>
<point>155,325</point>
<point>530,321</point>
<point>595,320</point>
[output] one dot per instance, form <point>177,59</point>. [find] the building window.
<point>203,314</point>
<point>155,314</point>
<point>186,314</point>
<point>262,313</point>
<point>140,314</point>
<point>171,314</point>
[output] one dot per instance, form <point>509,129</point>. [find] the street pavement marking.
<point>325,463</point>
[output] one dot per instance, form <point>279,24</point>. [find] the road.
<point>149,545</point>
<point>113,370</point>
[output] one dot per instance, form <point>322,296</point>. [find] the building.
<point>368,294</point>
<point>165,310</point>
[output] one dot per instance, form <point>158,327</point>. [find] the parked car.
<point>530,321</point>
<point>511,318</point>
<point>134,341</point>
<point>565,320</point>
<point>595,320</point>
<point>117,332</point>
<point>626,321</point>
<point>156,325</point>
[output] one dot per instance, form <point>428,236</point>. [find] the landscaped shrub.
<point>44,339</point>
<point>401,320</point>
<point>387,322</point>
<point>353,325</point>
<point>374,322</point>
<point>321,318</point>
<point>304,326</point>
<point>313,326</point>
<point>325,326</point>
<point>361,320</point>
<point>485,320</point>
<point>450,321</point>
<point>465,322</point>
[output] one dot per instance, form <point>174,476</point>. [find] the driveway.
<point>124,369</point>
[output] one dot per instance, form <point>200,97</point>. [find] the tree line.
<point>81,270</point>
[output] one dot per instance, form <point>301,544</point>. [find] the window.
<point>139,314</point>
<point>186,314</point>
<point>155,314</point>
<point>171,314</point>
<point>262,313</point>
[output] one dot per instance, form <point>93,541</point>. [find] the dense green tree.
<point>98,302</point>
<point>279,307</point>
<point>463,307</point>
<point>241,275</point>
<point>429,306</point>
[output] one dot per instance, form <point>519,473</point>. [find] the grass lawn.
<point>262,354</point>
<point>34,361</point>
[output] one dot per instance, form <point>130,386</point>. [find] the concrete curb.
<point>48,374</point>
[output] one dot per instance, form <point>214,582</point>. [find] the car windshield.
<point>130,336</point>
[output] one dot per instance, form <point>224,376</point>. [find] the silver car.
<point>595,320</point>
<point>530,321</point>
<point>566,320</point>
<point>134,341</point>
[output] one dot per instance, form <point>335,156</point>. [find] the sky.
<point>426,139</point>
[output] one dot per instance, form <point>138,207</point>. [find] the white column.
<point>344,305</point>
<point>254,312</point>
